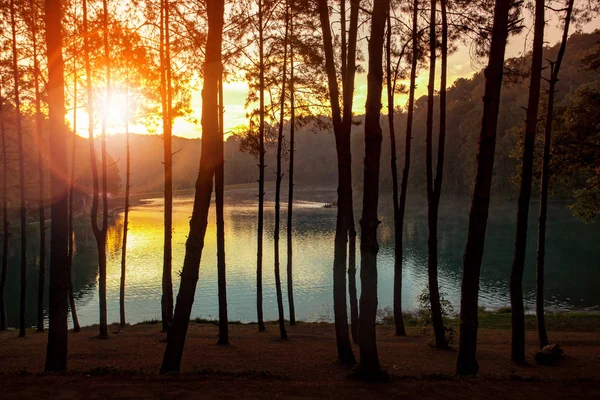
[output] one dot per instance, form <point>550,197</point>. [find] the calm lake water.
<point>571,279</point>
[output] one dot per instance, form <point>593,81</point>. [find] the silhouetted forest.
<point>315,147</point>
<point>521,129</point>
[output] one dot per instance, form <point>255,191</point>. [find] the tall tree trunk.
<point>219,194</point>
<point>23,205</point>
<point>56,355</point>
<point>38,128</point>
<point>208,160</point>
<point>433,193</point>
<point>102,242</point>
<point>261,169</point>
<point>541,245</point>
<point>348,94</point>
<point>71,241</point>
<point>516,275</point>
<point>342,140</point>
<point>98,232</point>
<point>5,224</point>
<point>467,362</point>
<point>404,185</point>
<point>126,211</point>
<point>391,90</point>
<point>369,360</point>
<point>390,106</point>
<point>290,280</point>
<point>279,176</point>
<point>352,289</point>
<point>167,278</point>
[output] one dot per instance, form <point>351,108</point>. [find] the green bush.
<point>424,313</point>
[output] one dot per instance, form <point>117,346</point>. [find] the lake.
<point>572,271</point>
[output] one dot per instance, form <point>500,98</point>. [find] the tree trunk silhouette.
<point>23,205</point>
<point>290,276</point>
<point>167,278</point>
<point>342,140</point>
<point>219,189</point>
<point>126,211</point>
<point>348,92</point>
<point>434,189</point>
<point>99,232</point>
<point>38,128</point>
<point>56,355</point>
<point>279,176</point>
<point>102,242</point>
<point>467,362</point>
<point>390,106</point>
<point>541,245</point>
<point>72,306</point>
<point>369,359</point>
<point>398,255</point>
<point>5,224</point>
<point>261,169</point>
<point>516,275</point>
<point>208,161</point>
<point>71,241</point>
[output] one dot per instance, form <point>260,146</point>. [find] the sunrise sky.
<point>460,65</point>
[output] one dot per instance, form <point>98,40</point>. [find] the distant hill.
<point>316,159</point>
<point>315,151</point>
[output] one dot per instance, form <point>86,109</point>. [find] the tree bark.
<point>398,256</point>
<point>208,161</point>
<point>23,205</point>
<point>541,249</point>
<point>467,362</point>
<point>122,319</point>
<point>5,224</point>
<point>99,235</point>
<point>433,193</point>
<point>101,241</point>
<point>165,58</point>
<point>290,275</point>
<point>167,278</point>
<point>279,176</point>
<point>261,169</point>
<point>56,355</point>
<point>399,325</point>
<point>348,94</point>
<point>38,128</point>
<point>71,240</point>
<point>342,139</point>
<point>369,359</point>
<point>516,275</point>
<point>219,188</point>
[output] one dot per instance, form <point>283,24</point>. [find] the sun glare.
<point>115,111</point>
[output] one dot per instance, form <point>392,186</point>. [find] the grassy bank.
<point>580,321</point>
<point>560,322</point>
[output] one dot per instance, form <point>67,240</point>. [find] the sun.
<point>115,111</point>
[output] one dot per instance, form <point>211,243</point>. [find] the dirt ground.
<point>259,365</point>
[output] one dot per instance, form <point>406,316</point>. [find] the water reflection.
<point>571,267</point>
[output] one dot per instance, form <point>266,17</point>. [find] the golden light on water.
<point>144,261</point>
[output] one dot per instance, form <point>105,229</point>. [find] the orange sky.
<point>459,65</point>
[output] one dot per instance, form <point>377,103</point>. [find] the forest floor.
<point>259,365</point>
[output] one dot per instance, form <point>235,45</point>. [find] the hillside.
<point>316,159</point>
